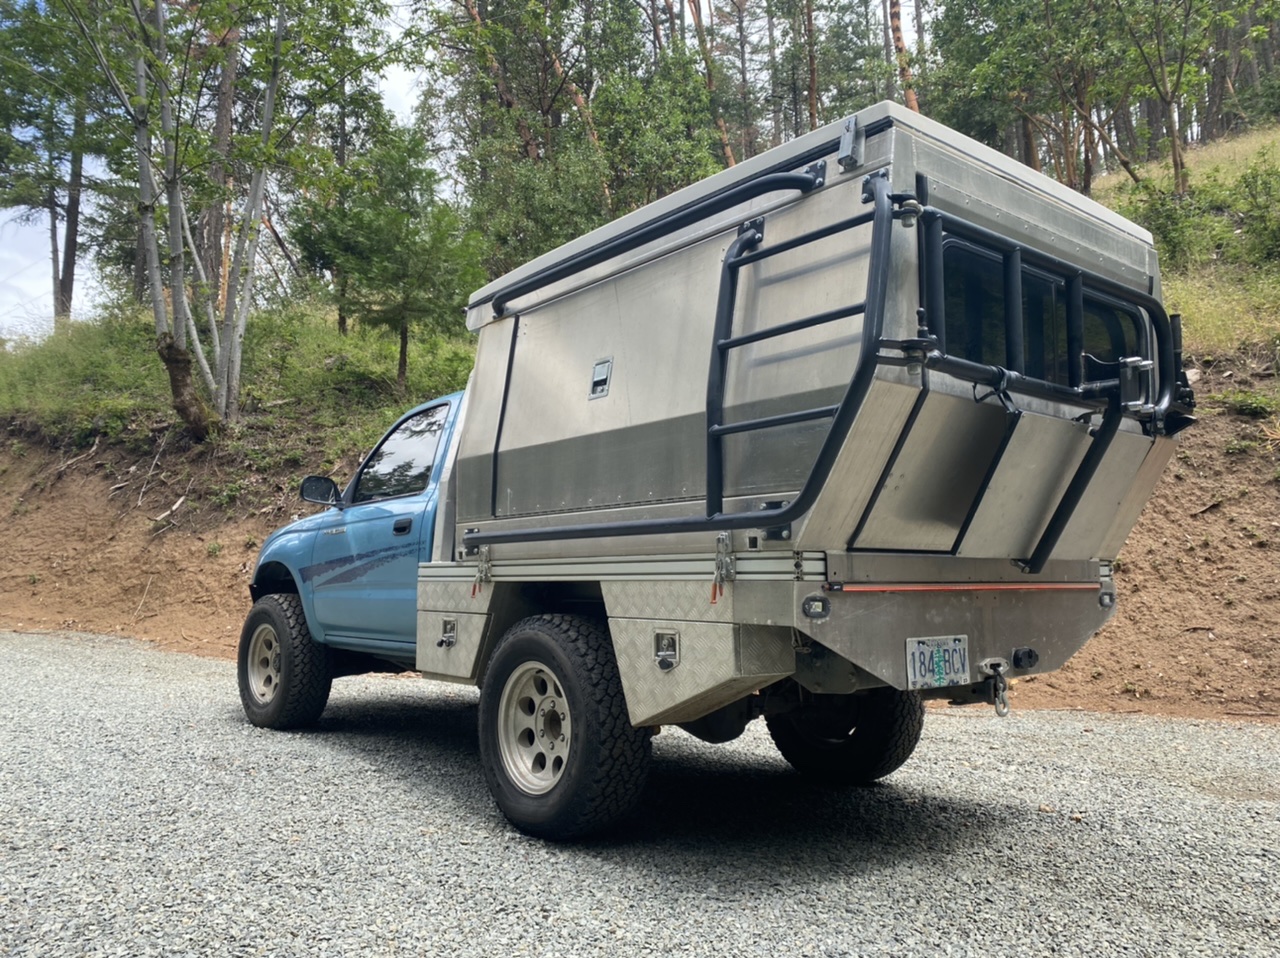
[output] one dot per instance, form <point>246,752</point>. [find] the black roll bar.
<point>805,182</point>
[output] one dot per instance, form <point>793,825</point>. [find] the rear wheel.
<point>850,739</point>
<point>559,752</point>
<point>284,674</point>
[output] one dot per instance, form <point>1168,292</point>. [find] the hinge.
<point>849,155</point>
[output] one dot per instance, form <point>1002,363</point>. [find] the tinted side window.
<point>973,283</point>
<point>401,466</point>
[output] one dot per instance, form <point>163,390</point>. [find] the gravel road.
<point>140,815</point>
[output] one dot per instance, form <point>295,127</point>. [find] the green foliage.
<point>101,378</point>
<point>400,253</point>
<point>1247,402</point>
<point>316,396</point>
<point>1231,216</point>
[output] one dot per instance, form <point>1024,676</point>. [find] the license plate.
<point>937,661</point>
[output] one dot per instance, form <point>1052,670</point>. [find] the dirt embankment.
<point>138,545</point>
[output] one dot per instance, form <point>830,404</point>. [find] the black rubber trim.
<point>502,417</point>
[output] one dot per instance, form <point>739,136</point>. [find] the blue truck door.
<point>364,568</point>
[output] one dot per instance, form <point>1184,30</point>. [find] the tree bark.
<point>775,98</point>
<point>902,57</point>
<point>71,221</point>
<point>504,94</point>
<point>186,400</point>
<point>51,207</point>
<point>1027,141</point>
<point>725,146</point>
<point>811,43</point>
<point>233,345</point>
<point>214,222</point>
<point>402,366</point>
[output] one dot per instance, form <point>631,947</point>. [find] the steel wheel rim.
<point>264,664</point>
<point>535,728</point>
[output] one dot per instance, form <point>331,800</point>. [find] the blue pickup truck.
<point>860,422</point>
<point>336,592</point>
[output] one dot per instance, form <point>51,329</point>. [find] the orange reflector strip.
<point>970,587</point>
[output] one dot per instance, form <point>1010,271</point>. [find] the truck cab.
<point>351,570</point>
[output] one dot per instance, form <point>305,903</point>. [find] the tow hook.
<point>996,686</point>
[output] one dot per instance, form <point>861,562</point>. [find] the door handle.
<point>402,526</point>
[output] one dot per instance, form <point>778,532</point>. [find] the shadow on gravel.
<point>739,815</point>
<point>704,807</point>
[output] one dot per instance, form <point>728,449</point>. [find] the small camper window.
<point>977,326</point>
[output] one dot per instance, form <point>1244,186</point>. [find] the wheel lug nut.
<point>562,738</point>
<point>551,747</point>
<point>551,704</point>
<point>562,716</point>
<point>542,733</point>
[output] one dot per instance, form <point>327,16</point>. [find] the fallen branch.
<point>92,449</point>
<point>170,511</point>
<point>144,598</point>
<point>159,449</point>
<point>1212,505</point>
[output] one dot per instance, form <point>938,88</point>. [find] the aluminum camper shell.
<point>875,409</point>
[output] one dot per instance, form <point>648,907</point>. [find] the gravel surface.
<point>141,815</point>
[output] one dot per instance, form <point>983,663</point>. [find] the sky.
<point>26,279</point>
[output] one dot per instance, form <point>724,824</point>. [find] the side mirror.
<point>321,490</point>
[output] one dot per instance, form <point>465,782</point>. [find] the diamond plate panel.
<point>457,662</point>
<point>668,600</point>
<point>434,594</point>
<point>718,663</point>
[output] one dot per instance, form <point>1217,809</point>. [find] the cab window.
<point>401,464</point>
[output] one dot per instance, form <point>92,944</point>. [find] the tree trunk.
<point>1027,142</point>
<point>504,94</point>
<point>705,48</point>
<point>902,57</point>
<point>775,97</point>
<point>186,399</point>
<point>71,222</point>
<point>402,367</point>
<point>51,207</point>
<point>811,43</point>
<point>213,223</point>
<point>244,296</point>
<point>740,21</point>
<point>888,45</point>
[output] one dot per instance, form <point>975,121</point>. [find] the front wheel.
<point>284,674</point>
<point>850,739</point>
<point>559,752</point>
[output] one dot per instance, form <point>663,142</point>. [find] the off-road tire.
<point>851,739</point>
<point>299,667</point>
<point>602,776</point>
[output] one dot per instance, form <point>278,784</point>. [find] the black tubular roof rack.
<point>876,191</point>
<point>805,182</point>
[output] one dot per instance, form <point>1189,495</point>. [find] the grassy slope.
<point>313,400</point>
<point>1225,304</point>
